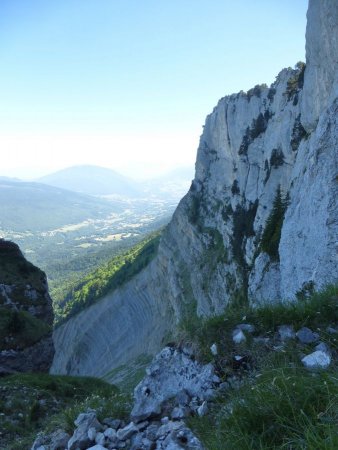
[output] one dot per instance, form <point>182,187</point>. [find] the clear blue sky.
<point>120,82</point>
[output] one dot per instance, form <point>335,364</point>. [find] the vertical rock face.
<point>260,220</point>
<point>26,314</point>
<point>320,82</point>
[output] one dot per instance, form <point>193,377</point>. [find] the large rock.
<point>317,360</point>
<point>170,372</point>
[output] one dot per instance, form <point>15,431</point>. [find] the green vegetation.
<point>276,404</point>
<point>14,267</point>
<point>286,408</point>
<point>127,376</point>
<point>64,272</point>
<point>276,158</point>
<point>19,329</point>
<point>38,207</point>
<point>31,402</point>
<point>235,188</point>
<point>298,133</point>
<point>256,91</point>
<point>273,228</point>
<point>258,126</point>
<point>108,277</point>
<point>296,82</point>
<point>243,221</point>
<point>194,212</point>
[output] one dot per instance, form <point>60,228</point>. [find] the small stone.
<point>167,428</point>
<point>100,439</point>
<point>248,327</point>
<point>151,432</point>
<point>113,423</point>
<point>238,336</point>
<point>136,442</point>
<point>92,434</point>
<point>178,413</point>
<point>125,433</point>
<point>306,336</point>
<point>214,350</point>
<point>110,434</point>
<point>147,444</point>
<point>323,347</point>
<point>286,332</point>
<point>188,350</point>
<point>203,409</point>
<point>182,398</point>
<point>332,330</point>
<point>142,425</point>
<point>317,360</point>
<point>84,417</point>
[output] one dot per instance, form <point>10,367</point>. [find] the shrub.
<point>298,133</point>
<point>258,126</point>
<point>273,227</point>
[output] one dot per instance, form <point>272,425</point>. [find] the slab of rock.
<point>306,336</point>
<point>238,336</point>
<point>124,433</point>
<point>286,332</point>
<point>317,360</point>
<point>170,372</point>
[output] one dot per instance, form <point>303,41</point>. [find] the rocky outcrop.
<point>259,222</point>
<point>175,387</point>
<point>26,343</point>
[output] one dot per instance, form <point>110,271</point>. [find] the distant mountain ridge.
<point>36,206</point>
<point>93,180</point>
<point>101,181</point>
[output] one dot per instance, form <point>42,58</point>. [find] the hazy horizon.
<point>127,85</point>
<point>132,172</point>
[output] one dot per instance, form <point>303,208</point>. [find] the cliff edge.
<point>259,222</point>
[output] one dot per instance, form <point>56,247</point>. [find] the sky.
<point>127,84</point>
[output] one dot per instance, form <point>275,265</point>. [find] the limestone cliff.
<point>258,223</point>
<point>26,314</point>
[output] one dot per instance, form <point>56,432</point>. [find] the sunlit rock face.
<point>320,82</point>
<point>267,161</point>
